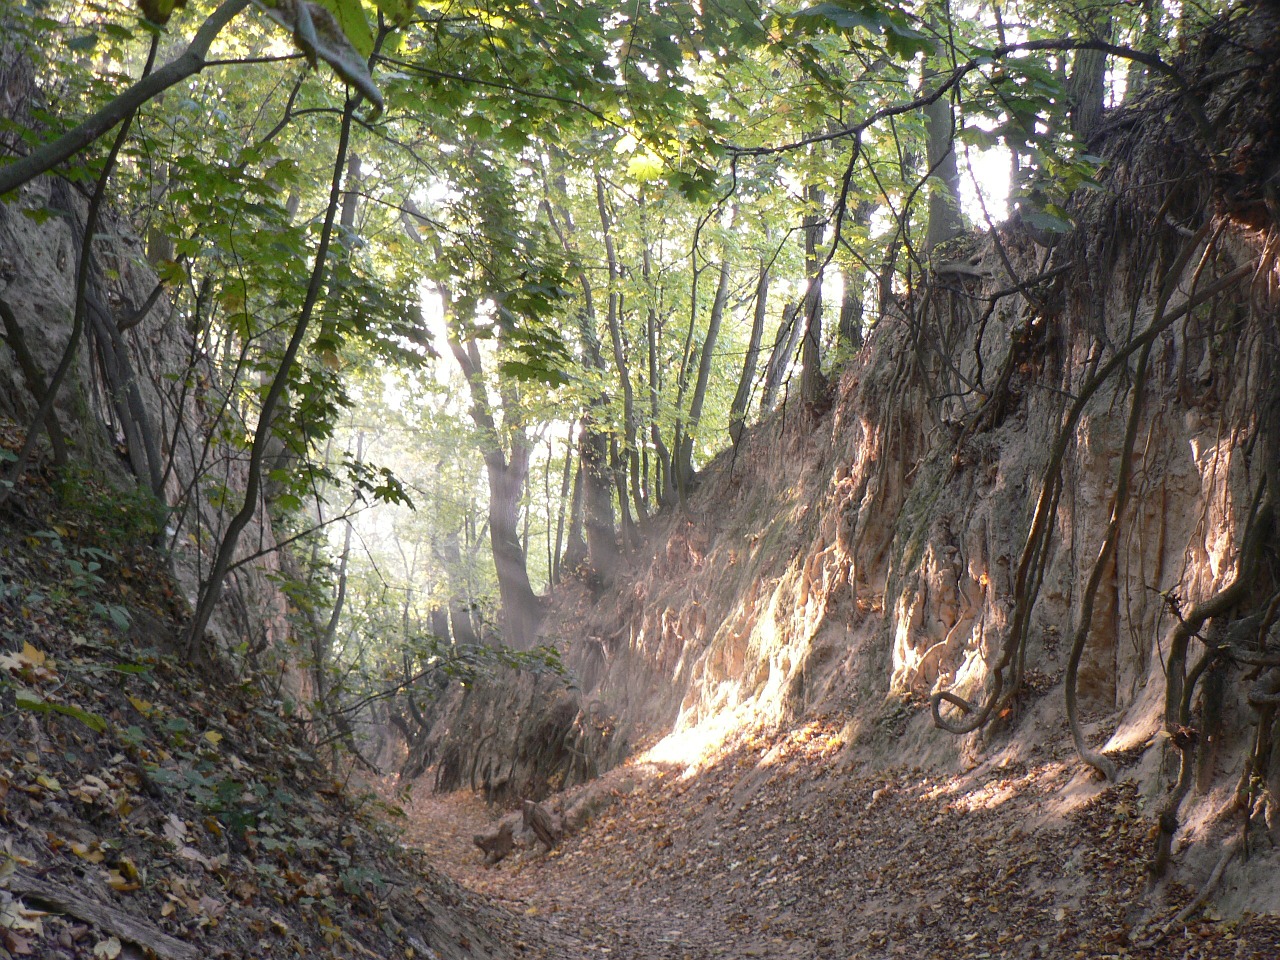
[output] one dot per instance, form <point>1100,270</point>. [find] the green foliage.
<point>79,582</point>
<point>335,31</point>
<point>881,21</point>
<point>120,517</point>
<point>440,659</point>
<point>34,703</point>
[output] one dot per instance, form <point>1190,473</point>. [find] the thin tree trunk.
<point>675,476</point>
<point>663,466</point>
<point>742,398</point>
<point>1149,37</point>
<point>632,453</point>
<point>812,383</point>
<point>212,589</point>
<point>575,553</point>
<point>351,203</point>
<point>460,626</point>
<point>784,349</point>
<point>322,642</point>
<point>618,466</point>
<point>566,482</point>
<point>35,380</point>
<point>684,469</point>
<point>602,546</point>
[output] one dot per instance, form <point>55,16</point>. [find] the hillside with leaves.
<point>152,806</point>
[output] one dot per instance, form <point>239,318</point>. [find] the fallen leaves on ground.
<point>147,803</point>
<point>777,850</point>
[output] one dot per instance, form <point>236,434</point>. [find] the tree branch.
<point>192,61</point>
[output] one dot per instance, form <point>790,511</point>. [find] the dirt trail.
<point>777,850</point>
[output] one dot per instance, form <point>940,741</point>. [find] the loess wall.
<point>141,405</point>
<point>858,560</point>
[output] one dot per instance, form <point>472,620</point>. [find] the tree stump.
<point>546,826</point>
<point>496,843</point>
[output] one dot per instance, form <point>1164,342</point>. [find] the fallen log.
<point>546,826</point>
<point>60,899</point>
<point>496,843</point>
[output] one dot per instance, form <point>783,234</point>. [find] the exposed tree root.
<point>1178,692</point>
<point>1006,673</point>
<point>1095,758</point>
<point>1206,891</point>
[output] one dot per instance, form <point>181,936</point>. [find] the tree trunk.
<point>738,409</point>
<point>673,490</point>
<point>851,314</point>
<point>597,500</point>
<point>575,552</point>
<point>663,466</point>
<point>852,308</point>
<point>632,452</point>
<point>1149,38</point>
<point>460,625</point>
<point>566,481</point>
<point>945,221</point>
<point>684,454</point>
<point>784,349</point>
<point>521,609</point>
<point>602,547</point>
<point>812,383</point>
<point>1088,86</point>
<point>212,588</point>
<point>350,203</point>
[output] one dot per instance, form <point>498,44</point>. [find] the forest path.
<point>775,851</point>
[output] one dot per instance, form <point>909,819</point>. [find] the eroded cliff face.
<point>141,405</point>
<point>882,548</point>
<point>861,561</point>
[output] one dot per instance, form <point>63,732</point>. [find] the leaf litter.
<point>153,808</point>
<point>784,848</point>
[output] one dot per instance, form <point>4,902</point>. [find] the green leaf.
<point>131,668</point>
<point>353,22</point>
<point>644,166</point>
<point>533,371</point>
<point>39,215</point>
<point>398,12</point>
<point>27,700</point>
<point>1042,220</point>
<point>159,11</point>
<point>337,36</point>
<point>867,17</point>
<point>905,41</point>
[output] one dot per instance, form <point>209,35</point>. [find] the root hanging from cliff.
<point>1180,685</point>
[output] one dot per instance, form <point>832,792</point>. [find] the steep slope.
<point>146,805</point>
<point>932,540</point>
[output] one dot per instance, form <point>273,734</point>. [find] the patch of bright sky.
<point>984,185</point>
